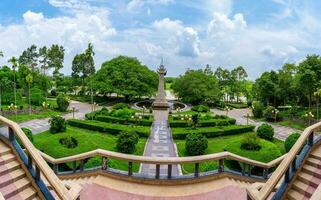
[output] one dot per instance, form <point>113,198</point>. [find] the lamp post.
<point>73,112</point>
<point>227,109</point>
<point>247,118</point>
<point>309,116</point>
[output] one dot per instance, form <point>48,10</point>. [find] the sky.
<point>259,35</point>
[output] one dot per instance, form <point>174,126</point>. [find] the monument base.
<point>160,105</point>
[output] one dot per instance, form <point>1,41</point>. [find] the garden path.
<point>280,132</point>
<point>160,144</point>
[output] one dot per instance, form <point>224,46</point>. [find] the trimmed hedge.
<point>181,133</point>
<point>117,120</point>
<point>237,105</point>
<point>207,123</point>
<point>113,129</point>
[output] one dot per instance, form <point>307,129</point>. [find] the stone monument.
<point>160,102</point>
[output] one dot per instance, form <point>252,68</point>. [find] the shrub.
<point>53,92</point>
<point>268,113</point>
<point>127,141</point>
<point>123,113</point>
<point>200,108</point>
<point>57,124</point>
<point>290,141</point>
<point>251,142</point>
<point>119,106</point>
<point>195,119</point>
<point>36,97</point>
<point>265,131</point>
<point>257,109</point>
<point>117,120</point>
<point>62,102</point>
<point>196,144</point>
<point>68,142</point>
<point>28,133</point>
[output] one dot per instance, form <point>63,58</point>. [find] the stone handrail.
<point>39,162</point>
<point>272,182</point>
<point>317,194</point>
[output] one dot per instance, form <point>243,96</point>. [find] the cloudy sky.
<point>259,35</point>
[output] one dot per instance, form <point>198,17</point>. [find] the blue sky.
<point>259,35</point>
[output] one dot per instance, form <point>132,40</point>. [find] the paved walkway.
<point>160,144</point>
<point>41,125</point>
<point>280,132</point>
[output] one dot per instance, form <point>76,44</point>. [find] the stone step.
<point>6,168</point>
<point>316,154</point>
<point>309,179</point>
<point>11,177</point>
<point>14,188</point>
<point>4,150</point>
<point>295,195</point>
<point>28,194</point>
<point>314,162</point>
<point>303,188</point>
<point>7,158</point>
<point>314,171</point>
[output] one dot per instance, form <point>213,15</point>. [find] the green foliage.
<point>62,102</point>
<point>203,123</point>
<point>197,86</point>
<point>127,141</point>
<point>117,120</point>
<point>119,106</point>
<point>265,131</point>
<point>290,141</point>
<point>251,142</point>
<point>257,109</point>
<point>125,76</point>
<point>196,144</point>
<point>36,97</point>
<point>268,113</point>
<point>200,108</point>
<point>195,119</point>
<point>57,124</point>
<point>28,133</point>
<point>68,142</point>
<point>123,113</point>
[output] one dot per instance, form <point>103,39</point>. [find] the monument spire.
<point>160,102</point>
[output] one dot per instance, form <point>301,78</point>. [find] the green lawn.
<point>87,141</point>
<point>292,124</point>
<point>27,117</point>
<point>232,143</point>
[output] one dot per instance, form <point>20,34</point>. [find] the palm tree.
<point>1,54</point>
<point>317,94</point>
<point>29,80</point>
<point>14,62</point>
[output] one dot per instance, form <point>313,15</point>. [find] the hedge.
<point>113,129</point>
<point>117,120</point>
<point>207,123</point>
<point>237,105</point>
<point>181,133</point>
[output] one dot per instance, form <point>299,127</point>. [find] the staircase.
<point>14,182</point>
<point>80,180</point>
<point>240,183</point>
<point>308,178</point>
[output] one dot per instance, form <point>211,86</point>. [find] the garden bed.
<point>203,123</point>
<point>118,120</point>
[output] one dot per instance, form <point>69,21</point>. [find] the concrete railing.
<point>287,168</point>
<point>34,162</point>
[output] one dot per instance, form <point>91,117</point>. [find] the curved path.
<point>280,132</point>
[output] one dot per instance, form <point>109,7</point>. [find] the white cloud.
<point>32,18</point>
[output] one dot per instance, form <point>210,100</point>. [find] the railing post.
<point>196,169</point>
<point>104,165</point>
<point>81,167</point>
<point>29,161</point>
<point>130,168</point>
<point>55,168</point>
<point>243,169</point>
<point>37,175</point>
<point>249,170</point>
<point>265,173</point>
<point>310,139</point>
<point>294,164</point>
<point>157,171</point>
<point>169,171</point>
<point>11,134</point>
<point>221,165</point>
<point>74,166</point>
<point>287,176</point>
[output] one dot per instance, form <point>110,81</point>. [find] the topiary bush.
<point>257,109</point>
<point>68,142</point>
<point>200,108</point>
<point>28,133</point>
<point>119,106</point>
<point>265,131</point>
<point>196,144</point>
<point>290,141</point>
<point>251,142</point>
<point>127,141</point>
<point>57,124</point>
<point>62,102</point>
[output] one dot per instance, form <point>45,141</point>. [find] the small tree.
<point>29,80</point>
<point>257,109</point>
<point>57,124</point>
<point>62,102</point>
<point>290,141</point>
<point>265,131</point>
<point>196,144</point>
<point>251,142</point>
<point>127,141</point>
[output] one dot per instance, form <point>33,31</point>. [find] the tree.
<point>29,57</point>
<point>83,64</point>
<point>14,63</point>
<point>44,59</point>
<point>308,79</point>
<point>29,80</point>
<point>125,76</point>
<point>56,55</point>
<point>238,76</point>
<point>224,81</point>
<point>197,86</point>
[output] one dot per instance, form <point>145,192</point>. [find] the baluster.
<point>265,173</point>
<point>157,171</point>
<point>243,169</point>
<point>37,175</point>
<point>294,164</point>
<point>11,134</point>
<point>130,168</point>
<point>104,165</point>
<point>287,175</point>
<point>169,171</point>
<point>55,168</point>
<point>249,170</point>
<point>29,161</point>
<point>221,165</point>
<point>196,169</point>
<point>81,167</point>
<point>74,166</point>
<point>310,139</point>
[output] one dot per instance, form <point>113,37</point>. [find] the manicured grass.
<point>292,124</point>
<point>219,144</point>
<point>27,117</point>
<point>87,141</point>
